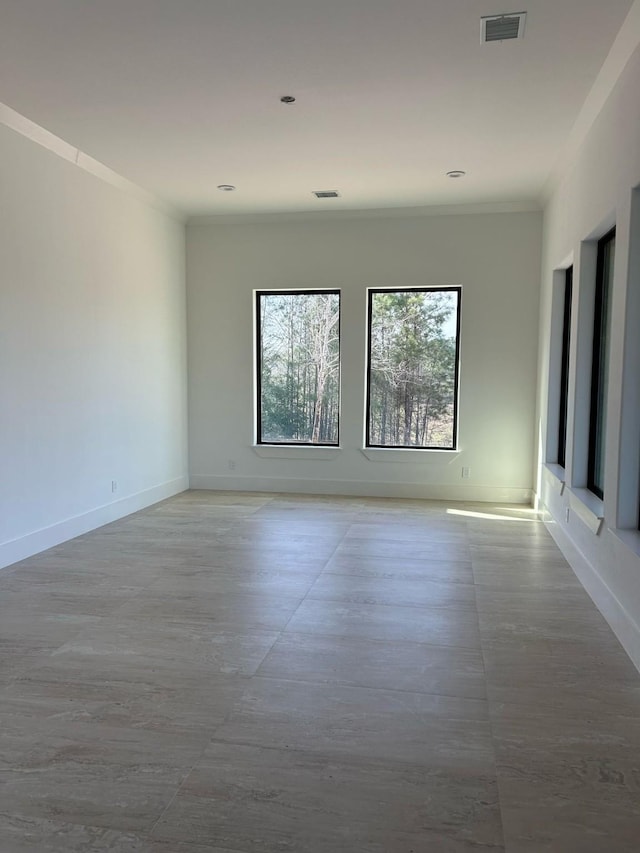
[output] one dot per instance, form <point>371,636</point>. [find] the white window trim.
<point>588,507</point>
<point>308,452</point>
<point>413,455</point>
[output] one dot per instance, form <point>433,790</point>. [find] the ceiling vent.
<point>502,27</point>
<point>326,194</point>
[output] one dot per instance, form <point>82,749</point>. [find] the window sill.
<point>629,538</point>
<point>588,508</point>
<point>292,451</point>
<point>556,476</point>
<point>414,455</point>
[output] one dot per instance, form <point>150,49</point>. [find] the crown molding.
<point>526,206</point>
<point>43,137</point>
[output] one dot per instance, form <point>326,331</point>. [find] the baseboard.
<point>361,488</point>
<point>39,540</point>
<point>622,624</point>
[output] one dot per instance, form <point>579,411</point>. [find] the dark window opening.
<point>564,368</point>
<point>600,363</point>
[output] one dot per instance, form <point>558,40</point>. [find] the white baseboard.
<point>622,624</point>
<point>361,488</point>
<point>47,537</point>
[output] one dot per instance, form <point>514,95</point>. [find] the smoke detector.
<point>502,27</point>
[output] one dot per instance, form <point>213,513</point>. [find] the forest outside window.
<point>412,370</point>
<point>298,367</point>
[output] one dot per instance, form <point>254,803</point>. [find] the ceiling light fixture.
<point>456,173</point>
<point>226,188</point>
<point>287,99</point>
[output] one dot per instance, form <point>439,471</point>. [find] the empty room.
<point>319,426</point>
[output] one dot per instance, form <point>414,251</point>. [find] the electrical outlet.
<point>466,473</point>
<point>232,464</point>
<point>114,485</point>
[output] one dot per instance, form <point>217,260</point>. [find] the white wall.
<point>92,351</point>
<point>596,192</point>
<point>496,259</point>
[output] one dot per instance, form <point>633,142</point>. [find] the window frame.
<point>600,361</point>
<point>564,367</point>
<point>371,291</point>
<point>258,363</point>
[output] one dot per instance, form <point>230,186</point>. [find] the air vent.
<point>503,27</point>
<point>326,194</point>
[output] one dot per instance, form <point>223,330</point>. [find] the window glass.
<point>412,373</point>
<point>564,368</point>
<point>298,369</point>
<point>600,364</point>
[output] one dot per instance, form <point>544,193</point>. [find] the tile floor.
<point>237,673</point>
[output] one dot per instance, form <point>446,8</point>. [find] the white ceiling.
<point>179,96</point>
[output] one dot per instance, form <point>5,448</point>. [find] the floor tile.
<point>570,601</point>
<point>207,583</point>
<point>99,776</point>
<point>562,683</point>
<point>448,571</point>
<point>251,673</point>
<point>438,731</point>
<point>23,834</point>
<point>410,593</point>
<point>264,799</point>
<point>159,846</point>
<point>21,635</point>
<point>35,604</point>
<point>422,531</point>
<point>198,647</point>
<point>387,622</point>
<point>565,825</point>
<point>226,611</point>
<point>407,549</point>
<point>537,629</point>
<point>589,756</point>
<point>171,699</point>
<point>414,667</point>
<point>101,795</point>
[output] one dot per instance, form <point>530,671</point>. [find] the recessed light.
<point>287,99</point>
<point>456,173</point>
<point>226,188</point>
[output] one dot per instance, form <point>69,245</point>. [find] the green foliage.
<point>412,368</point>
<point>412,378</point>
<point>300,367</point>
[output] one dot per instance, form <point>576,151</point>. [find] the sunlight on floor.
<point>490,516</point>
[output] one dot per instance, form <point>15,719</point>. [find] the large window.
<point>564,368</point>
<point>412,370</point>
<point>600,363</point>
<point>298,369</point>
